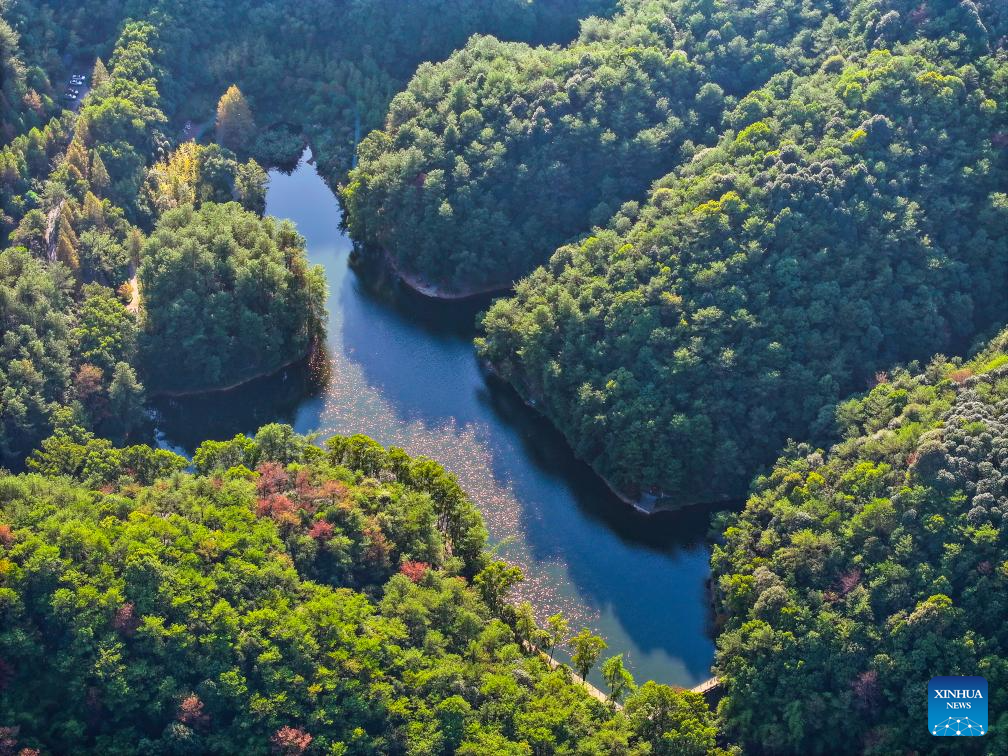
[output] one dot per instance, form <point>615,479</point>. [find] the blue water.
<point>402,370</point>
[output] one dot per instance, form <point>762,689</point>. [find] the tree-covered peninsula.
<point>280,598</point>
<point>845,220</point>
<point>491,159</point>
<point>232,291</point>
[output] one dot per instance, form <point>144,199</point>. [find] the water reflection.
<point>402,370</point>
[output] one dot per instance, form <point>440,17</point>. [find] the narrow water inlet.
<point>403,371</point>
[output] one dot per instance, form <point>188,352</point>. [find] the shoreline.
<point>645,505</point>
<point>183,393</point>
<point>180,394</point>
<point>432,291</point>
<point>641,504</point>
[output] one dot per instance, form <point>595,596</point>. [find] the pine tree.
<point>68,216</point>
<point>77,159</point>
<point>66,253</point>
<point>99,75</point>
<point>100,179</point>
<point>235,125</point>
<point>66,246</point>
<point>94,213</point>
<point>134,243</point>
<point>126,399</point>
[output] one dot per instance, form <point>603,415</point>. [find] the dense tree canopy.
<point>753,209</point>
<point>856,575</point>
<point>196,173</point>
<point>494,157</point>
<point>320,68</point>
<point>69,337</point>
<point>230,292</point>
<point>82,189</point>
<point>820,240</point>
<point>35,353</point>
<point>285,599</point>
<point>505,150</point>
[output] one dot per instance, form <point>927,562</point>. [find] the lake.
<point>402,369</point>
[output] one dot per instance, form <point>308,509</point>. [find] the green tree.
<point>495,583</point>
<point>31,234</point>
<point>126,400</point>
<point>36,358</point>
<point>557,632</point>
<point>587,649</point>
<point>105,332</point>
<point>525,624</point>
<point>617,677</point>
<point>855,542</point>
<point>674,722</point>
<point>100,180</point>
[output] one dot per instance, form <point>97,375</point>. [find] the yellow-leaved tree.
<point>235,125</point>
<point>172,182</point>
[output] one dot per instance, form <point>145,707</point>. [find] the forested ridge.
<point>494,157</point>
<point>280,598</point>
<point>855,574</point>
<point>846,220</point>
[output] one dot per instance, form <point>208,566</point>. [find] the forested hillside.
<point>309,69</point>
<point>857,574</point>
<point>491,159</point>
<point>717,222</point>
<point>80,195</point>
<point>69,340</point>
<point>283,599</point>
<point>845,220</point>
<point>81,191</point>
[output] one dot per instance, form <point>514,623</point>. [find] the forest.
<point>772,273</point>
<point>491,159</point>
<point>767,278</point>
<point>750,254</point>
<point>89,189</point>
<point>280,598</point>
<point>855,572</point>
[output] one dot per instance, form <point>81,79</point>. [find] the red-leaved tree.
<point>272,478</point>
<point>321,530</point>
<point>290,741</point>
<point>414,570</point>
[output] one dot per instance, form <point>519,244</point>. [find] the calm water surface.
<point>402,370</point>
